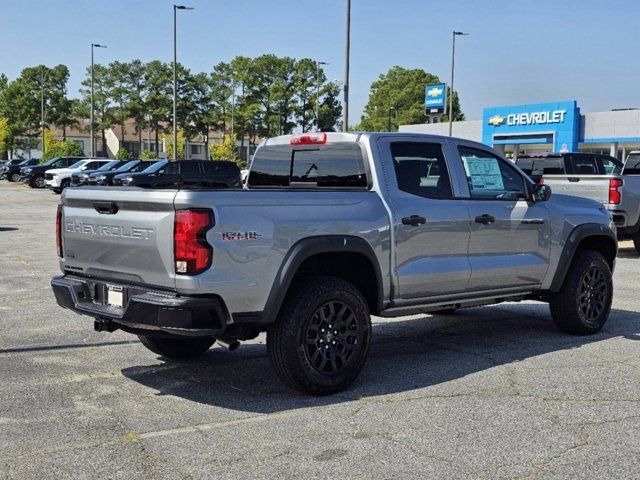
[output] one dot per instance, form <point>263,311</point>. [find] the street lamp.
<point>453,61</point>
<point>93,140</point>
<point>175,80</point>
<point>318,92</point>
<point>345,126</point>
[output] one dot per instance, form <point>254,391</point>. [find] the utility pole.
<point>345,109</point>
<point>175,81</point>
<point>42,106</point>
<point>453,62</point>
<point>93,139</point>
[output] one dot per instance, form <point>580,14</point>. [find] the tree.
<point>397,97</point>
<point>305,85</point>
<point>202,116</point>
<point>123,154</point>
<point>101,101</point>
<point>225,150</point>
<point>168,142</point>
<point>118,94</point>
<point>330,108</point>
<point>134,79</point>
<point>60,108</point>
<point>4,134</point>
<point>157,81</point>
<point>148,155</point>
<point>62,148</point>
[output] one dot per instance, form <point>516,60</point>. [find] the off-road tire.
<point>572,308</point>
<point>178,348</point>
<point>299,356</point>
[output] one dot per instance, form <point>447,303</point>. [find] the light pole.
<point>453,62</point>
<point>318,92</point>
<point>345,126</point>
<point>175,81</point>
<point>42,107</point>
<point>93,140</point>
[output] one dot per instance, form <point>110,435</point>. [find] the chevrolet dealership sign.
<point>554,123</point>
<point>435,96</point>
<point>532,118</point>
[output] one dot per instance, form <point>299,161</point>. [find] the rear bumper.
<point>144,309</point>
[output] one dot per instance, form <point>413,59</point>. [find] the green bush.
<point>60,148</point>
<point>123,154</point>
<point>148,155</point>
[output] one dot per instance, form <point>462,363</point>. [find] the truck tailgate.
<point>594,187</point>
<point>119,234</point>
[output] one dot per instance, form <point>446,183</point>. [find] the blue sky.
<point>518,51</point>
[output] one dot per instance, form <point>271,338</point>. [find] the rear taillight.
<point>541,181</point>
<point>192,253</point>
<point>614,193</point>
<point>59,230</point>
<point>309,139</point>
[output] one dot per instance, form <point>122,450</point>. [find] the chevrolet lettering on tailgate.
<point>86,228</point>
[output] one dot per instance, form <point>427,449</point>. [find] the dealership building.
<point>547,127</point>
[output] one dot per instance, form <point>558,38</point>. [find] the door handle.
<point>414,220</point>
<point>106,208</point>
<point>485,219</point>
<point>573,179</point>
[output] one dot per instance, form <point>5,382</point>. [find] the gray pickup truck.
<point>598,177</point>
<point>330,229</point>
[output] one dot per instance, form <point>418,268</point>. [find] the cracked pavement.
<point>492,392</point>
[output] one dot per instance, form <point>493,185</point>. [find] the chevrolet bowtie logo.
<point>496,120</point>
<point>434,92</point>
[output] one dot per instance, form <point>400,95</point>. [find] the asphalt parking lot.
<point>493,392</point>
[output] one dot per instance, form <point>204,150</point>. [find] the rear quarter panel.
<point>254,230</point>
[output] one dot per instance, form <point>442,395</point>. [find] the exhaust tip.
<point>229,344</point>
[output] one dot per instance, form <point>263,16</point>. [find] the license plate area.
<point>115,296</point>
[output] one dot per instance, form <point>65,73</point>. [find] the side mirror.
<point>541,193</point>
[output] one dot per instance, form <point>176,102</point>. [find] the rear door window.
<point>583,165</point>
<point>421,169</point>
<point>549,166</point>
<point>608,165</point>
<point>339,165</point>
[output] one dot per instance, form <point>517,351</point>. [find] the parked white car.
<point>58,179</point>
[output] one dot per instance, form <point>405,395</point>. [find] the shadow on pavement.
<point>405,355</point>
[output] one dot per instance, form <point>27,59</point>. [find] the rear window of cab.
<point>338,165</point>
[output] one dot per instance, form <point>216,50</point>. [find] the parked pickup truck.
<point>330,229</point>
<point>598,177</point>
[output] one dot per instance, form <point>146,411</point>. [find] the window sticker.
<point>484,173</point>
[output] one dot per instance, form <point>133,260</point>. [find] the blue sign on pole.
<point>435,96</point>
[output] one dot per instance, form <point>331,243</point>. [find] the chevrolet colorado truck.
<point>330,229</point>
<point>598,177</point>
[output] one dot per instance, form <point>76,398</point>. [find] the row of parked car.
<point>62,172</point>
<point>614,184</point>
